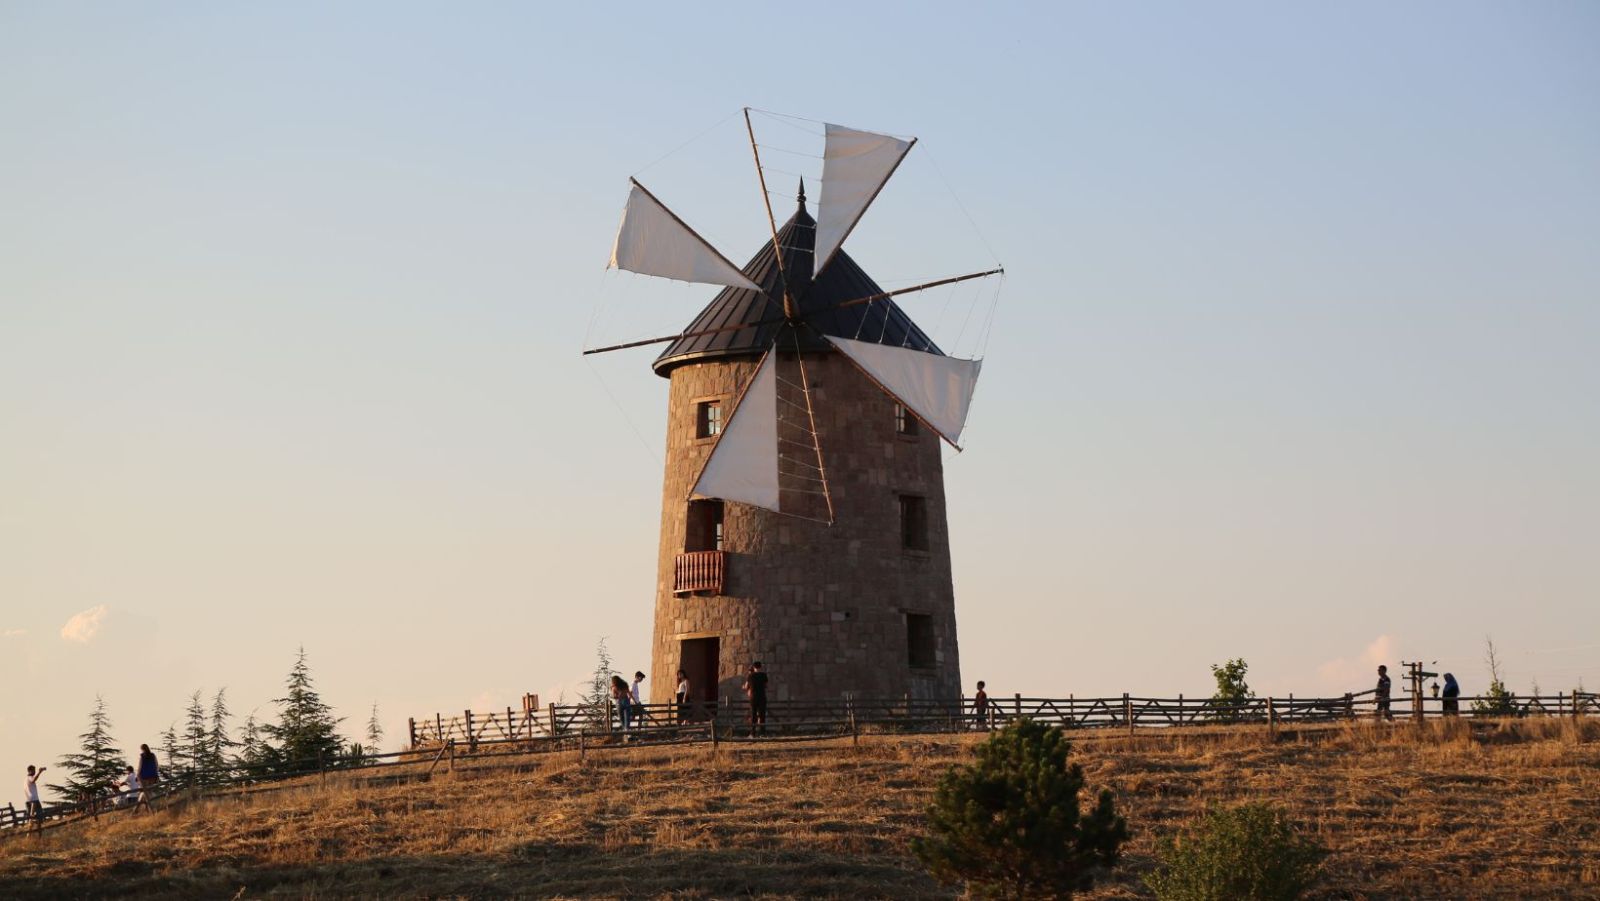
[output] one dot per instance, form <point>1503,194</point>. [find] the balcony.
<point>700,571</point>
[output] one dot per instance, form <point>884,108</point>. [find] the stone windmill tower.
<point>803,514</point>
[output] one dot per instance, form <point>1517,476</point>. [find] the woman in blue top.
<point>1452,692</point>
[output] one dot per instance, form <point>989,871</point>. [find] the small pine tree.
<point>599,690</point>
<point>1011,825</point>
<point>98,764</point>
<point>219,745</point>
<point>1247,853</point>
<point>307,732</point>
<point>194,739</point>
<point>374,731</point>
<point>1233,691</point>
<point>255,757</point>
<point>1497,700</point>
<point>172,763</point>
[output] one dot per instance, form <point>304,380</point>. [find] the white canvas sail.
<point>855,166</point>
<point>653,241</point>
<point>935,387</point>
<point>744,463</point>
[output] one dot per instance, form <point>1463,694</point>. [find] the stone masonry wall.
<point>823,607</point>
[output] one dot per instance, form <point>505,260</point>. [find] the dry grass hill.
<point>1503,810</point>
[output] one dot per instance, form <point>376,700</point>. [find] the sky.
<point>1294,358</point>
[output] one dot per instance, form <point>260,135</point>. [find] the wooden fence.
<point>471,728</point>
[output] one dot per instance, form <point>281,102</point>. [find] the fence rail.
<point>931,715</point>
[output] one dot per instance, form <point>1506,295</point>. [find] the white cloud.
<point>83,626</point>
<point>13,633</point>
<point>1343,673</point>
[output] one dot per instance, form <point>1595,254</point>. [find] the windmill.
<point>804,489</point>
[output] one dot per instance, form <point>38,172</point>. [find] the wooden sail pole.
<point>885,295</point>
<point>772,224</point>
<point>816,440</point>
<point>695,334</point>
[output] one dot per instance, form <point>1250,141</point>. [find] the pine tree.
<point>98,764</point>
<point>194,737</point>
<point>218,743</point>
<point>307,733</point>
<point>599,691</point>
<point>374,731</point>
<point>255,756</point>
<point>1011,824</point>
<point>171,764</point>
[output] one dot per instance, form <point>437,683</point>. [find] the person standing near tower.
<point>755,686</point>
<point>31,806</point>
<point>1382,693</point>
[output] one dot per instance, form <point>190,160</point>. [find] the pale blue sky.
<point>1295,360</point>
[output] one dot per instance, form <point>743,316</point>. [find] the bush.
<point>1010,824</point>
<point>1247,853</point>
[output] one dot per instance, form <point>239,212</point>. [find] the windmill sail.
<point>935,387</point>
<point>855,167</point>
<point>653,241</point>
<point>744,463</point>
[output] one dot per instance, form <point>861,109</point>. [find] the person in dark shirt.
<point>1382,693</point>
<point>980,708</point>
<point>755,685</point>
<point>1452,695</point>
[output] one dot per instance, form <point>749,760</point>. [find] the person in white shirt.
<point>32,809</point>
<point>130,785</point>
<point>683,696</point>
<point>638,703</point>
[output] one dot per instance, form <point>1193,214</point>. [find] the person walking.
<point>637,697</point>
<point>149,775</point>
<point>31,808</point>
<point>624,702</point>
<point>755,687</point>
<point>1452,696</point>
<point>1382,694</point>
<point>683,696</point>
<point>980,708</point>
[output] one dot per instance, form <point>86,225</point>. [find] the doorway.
<point>699,658</point>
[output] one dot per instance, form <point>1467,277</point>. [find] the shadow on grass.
<point>533,871</point>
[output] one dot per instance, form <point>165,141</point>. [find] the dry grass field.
<point>1507,810</point>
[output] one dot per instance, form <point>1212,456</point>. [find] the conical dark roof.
<point>881,321</point>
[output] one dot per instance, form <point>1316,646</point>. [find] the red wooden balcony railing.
<point>700,571</point>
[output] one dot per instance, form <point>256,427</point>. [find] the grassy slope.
<point>1507,812</point>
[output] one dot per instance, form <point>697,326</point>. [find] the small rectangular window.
<point>704,532</point>
<point>904,422</point>
<point>920,643</point>
<point>707,418</point>
<point>913,522</point>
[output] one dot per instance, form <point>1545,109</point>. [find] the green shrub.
<point>1010,825</point>
<point>1246,853</point>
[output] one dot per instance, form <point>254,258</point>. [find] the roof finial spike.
<point>802,197</point>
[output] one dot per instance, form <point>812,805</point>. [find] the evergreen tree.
<point>98,764</point>
<point>374,731</point>
<point>1011,823</point>
<point>219,744</point>
<point>599,690</point>
<point>255,756</point>
<point>307,733</point>
<point>171,762</point>
<point>194,737</point>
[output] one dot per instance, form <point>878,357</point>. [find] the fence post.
<point>582,749</point>
<point>510,730</point>
<point>1272,719</point>
<point>1016,705</point>
<point>1575,705</point>
<point>1127,711</point>
<point>1349,706</point>
<point>552,720</point>
<point>472,736</point>
<point>452,755</point>
<point>438,727</point>
<point>411,729</point>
